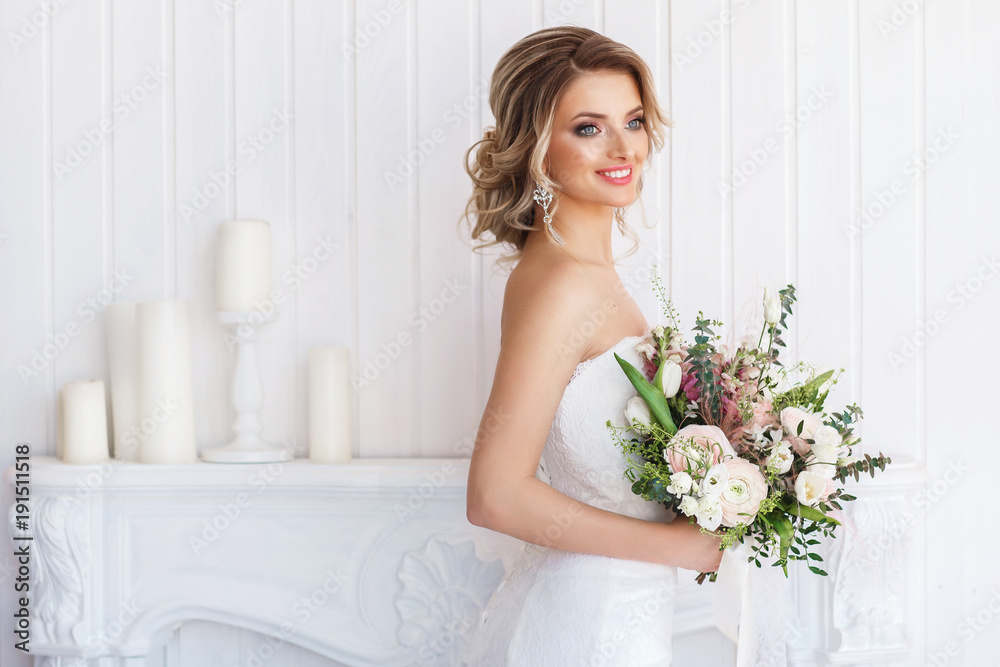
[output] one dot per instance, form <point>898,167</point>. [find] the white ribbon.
<point>732,608</point>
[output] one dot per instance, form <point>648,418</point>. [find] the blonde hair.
<point>527,84</point>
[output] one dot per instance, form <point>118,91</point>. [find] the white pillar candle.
<point>329,405</point>
<point>85,425</point>
<point>123,359</point>
<point>166,383</point>
<point>243,265</point>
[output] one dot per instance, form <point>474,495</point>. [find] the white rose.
<point>791,417</point>
<point>824,460</point>
<point>670,379</point>
<point>636,409</point>
<point>680,483</point>
<point>709,514</point>
<point>647,350</point>
<point>827,435</point>
<point>715,480</point>
<point>809,486</point>
<point>781,458</point>
<point>689,505</point>
<point>772,307</point>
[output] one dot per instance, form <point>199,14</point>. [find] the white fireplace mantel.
<point>368,563</point>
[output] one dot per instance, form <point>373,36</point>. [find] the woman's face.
<point>599,141</point>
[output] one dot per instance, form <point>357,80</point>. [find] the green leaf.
<point>806,512</point>
<point>653,397</point>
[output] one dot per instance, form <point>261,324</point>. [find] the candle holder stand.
<point>247,397</point>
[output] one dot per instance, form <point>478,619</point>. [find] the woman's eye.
<point>636,123</point>
<point>588,130</point>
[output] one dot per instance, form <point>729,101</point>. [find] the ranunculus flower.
<point>689,505</point>
<point>772,307</point>
<point>781,458</point>
<point>636,409</point>
<point>809,487</point>
<point>709,514</point>
<point>670,379</point>
<point>706,446</point>
<point>742,493</point>
<point>680,483</point>
<point>715,480</point>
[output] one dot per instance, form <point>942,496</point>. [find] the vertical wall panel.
<point>388,251</point>
<point>202,151</point>
<point>763,150</point>
<point>265,126</point>
<point>700,98</point>
<point>891,136</point>
<point>81,215</point>
<point>143,237</point>
<point>446,106</point>
<point>323,188</point>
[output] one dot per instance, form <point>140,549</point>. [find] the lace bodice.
<point>580,457</point>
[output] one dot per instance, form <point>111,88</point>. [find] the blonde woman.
<point>576,120</point>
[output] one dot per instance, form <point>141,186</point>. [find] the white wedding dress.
<point>557,608</point>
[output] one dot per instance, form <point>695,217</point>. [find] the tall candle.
<point>329,405</point>
<point>243,265</point>
<point>166,383</point>
<point>85,425</point>
<point>123,357</point>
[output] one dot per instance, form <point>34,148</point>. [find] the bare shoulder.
<point>551,309</point>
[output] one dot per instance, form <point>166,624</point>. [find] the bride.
<point>576,118</point>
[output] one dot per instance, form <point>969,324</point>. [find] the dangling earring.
<point>543,197</point>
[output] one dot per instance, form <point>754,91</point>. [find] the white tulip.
<point>781,458</point>
<point>680,483</point>
<point>670,379</point>
<point>772,307</point>
<point>637,410</point>
<point>824,460</point>
<point>809,486</point>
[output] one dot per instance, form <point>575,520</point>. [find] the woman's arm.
<point>535,364</point>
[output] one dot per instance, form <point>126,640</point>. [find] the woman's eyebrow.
<point>602,116</point>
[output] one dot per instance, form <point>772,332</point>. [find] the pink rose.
<point>790,419</point>
<point>701,448</point>
<point>743,493</point>
<point>831,486</point>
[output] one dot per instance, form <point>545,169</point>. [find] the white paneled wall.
<point>847,147</point>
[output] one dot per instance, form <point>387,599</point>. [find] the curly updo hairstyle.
<point>526,86</point>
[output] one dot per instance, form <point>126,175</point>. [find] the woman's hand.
<point>691,549</point>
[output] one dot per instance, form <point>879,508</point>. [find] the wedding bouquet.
<point>738,442</point>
